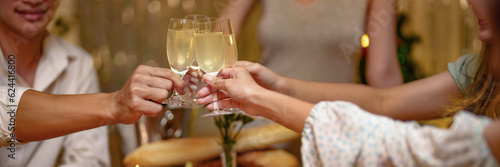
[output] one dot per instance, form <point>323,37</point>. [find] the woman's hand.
<point>143,93</point>
<point>236,89</point>
<point>264,76</point>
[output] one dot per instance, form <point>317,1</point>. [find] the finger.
<point>221,95</point>
<point>219,84</point>
<point>160,83</point>
<point>193,80</point>
<point>187,84</point>
<point>253,68</point>
<point>150,109</point>
<point>243,63</point>
<point>227,73</point>
<point>204,100</point>
<point>155,94</point>
<point>145,107</point>
<point>151,81</point>
<point>205,91</point>
<point>191,71</point>
<point>149,93</point>
<point>249,66</point>
<point>214,82</point>
<point>163,73</point>
<point>194,73</point>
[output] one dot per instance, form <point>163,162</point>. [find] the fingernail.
<point>193,79</point>
<point>208,78</point>
<point>193,87</point>
<point>194,74</point>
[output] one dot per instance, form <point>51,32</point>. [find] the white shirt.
<point>63,69</point>
<point>342,134</point>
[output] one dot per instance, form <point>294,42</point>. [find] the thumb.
<point>243,63</point>
<point>214,82</point>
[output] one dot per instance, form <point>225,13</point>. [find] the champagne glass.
<point>230,50</point>
<point>210,54</point>
<point>194,65</point>
<point>180,51</point>
<point>196,18</point>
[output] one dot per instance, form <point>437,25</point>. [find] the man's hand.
<point>143,93</point>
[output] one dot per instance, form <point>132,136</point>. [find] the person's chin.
<point>485,36</point>
<point>30,29</point>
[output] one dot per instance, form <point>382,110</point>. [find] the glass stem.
<point>214,99</point>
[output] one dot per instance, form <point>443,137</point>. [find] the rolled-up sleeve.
<point>9,100</point>
<point>342,134</point>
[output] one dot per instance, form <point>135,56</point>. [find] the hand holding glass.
<point>210,54</point>
<point>180,51</point>
<point>230,50</point>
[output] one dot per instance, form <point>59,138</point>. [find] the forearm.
<point>285,110</point>
<point>384,75</point>
<point>237,12</point>
<point>491,135</point>
<point>382,68</point>
<point>368,98</point>
<point>418,100</point>
<point>42,116</point>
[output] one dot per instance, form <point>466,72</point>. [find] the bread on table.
<point>179,151</point>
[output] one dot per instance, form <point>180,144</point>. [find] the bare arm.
<point>247,95</point>
<point>422,99</point>
<point>42,116</point>
<point>492,136</point>
<point>382,68</point>
<point>237,11</point>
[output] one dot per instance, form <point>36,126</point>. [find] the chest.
<point>324,21</point>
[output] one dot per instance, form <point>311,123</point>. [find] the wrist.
<point>285,110</point>
<point>268,103</point>
<point>281,85</point>
<point>109,109</point>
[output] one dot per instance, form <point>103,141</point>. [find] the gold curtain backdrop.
<point>447,29</point>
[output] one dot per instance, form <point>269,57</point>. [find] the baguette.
<point>179,151</point>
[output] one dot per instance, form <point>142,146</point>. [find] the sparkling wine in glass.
<point>210,54</point>
<point>196,18</point>
<point>199,84</point>
<point>230,50</point>
<point>180,51</point>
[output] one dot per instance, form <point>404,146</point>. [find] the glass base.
<point>176,101</point>
<point>217,113</point>
<point>232,110</point>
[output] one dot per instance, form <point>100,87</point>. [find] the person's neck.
<point>27,52</point>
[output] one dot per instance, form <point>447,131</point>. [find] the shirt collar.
<point>54,61</point>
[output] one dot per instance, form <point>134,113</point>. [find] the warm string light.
<point>365,41</point>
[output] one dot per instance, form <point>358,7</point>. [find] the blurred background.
<point>121,34</point>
